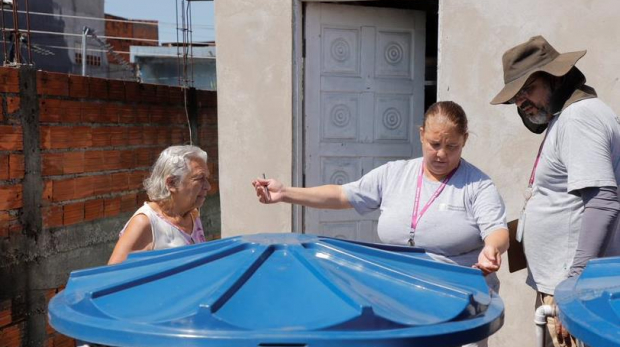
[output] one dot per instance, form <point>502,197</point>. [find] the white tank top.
<point>165,234</point>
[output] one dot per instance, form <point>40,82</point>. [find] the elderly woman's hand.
<point>269,191</point>
<point>489,259</point>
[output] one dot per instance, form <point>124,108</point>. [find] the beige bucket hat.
<point>535,55</point>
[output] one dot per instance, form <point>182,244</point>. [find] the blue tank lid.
<point>590,303</point>
<point>278,290</point>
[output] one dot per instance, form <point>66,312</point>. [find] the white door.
<point>364,101</point>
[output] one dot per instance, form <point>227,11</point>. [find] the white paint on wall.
<point>254,69</point>
<point>473,36</point>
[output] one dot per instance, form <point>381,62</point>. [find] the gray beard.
<point>539,118</point>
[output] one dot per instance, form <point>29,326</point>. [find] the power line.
<point>211,27</point>
<point>103,37</point>
<point>120,52</point>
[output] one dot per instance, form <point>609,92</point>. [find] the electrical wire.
<point>120,52</point>
<point>103,37</point>
<point>134,21</point>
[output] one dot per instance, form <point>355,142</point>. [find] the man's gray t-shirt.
<point>582,149</point>
<point>454,226</point>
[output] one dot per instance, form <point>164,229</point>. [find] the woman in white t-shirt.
<point>439,202</point>
<point>177,188</point>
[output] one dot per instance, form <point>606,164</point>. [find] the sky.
<point>164,12</point>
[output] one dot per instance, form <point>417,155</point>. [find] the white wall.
<point>254,73</point>
<point>473,36</point>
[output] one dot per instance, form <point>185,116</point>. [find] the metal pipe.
<point>3,34</point>
<point>84,33</point>
<point>540,319</point>
<point>18,55</point>
<point>28,30</point>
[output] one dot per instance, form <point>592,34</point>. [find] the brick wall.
<point>73,154</point>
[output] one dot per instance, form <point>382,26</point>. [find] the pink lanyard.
<point>416,218</point>
<point>533,174</point>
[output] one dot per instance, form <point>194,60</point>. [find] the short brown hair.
<point>452,111</point>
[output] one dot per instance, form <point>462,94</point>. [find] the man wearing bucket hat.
<point>571,204</point>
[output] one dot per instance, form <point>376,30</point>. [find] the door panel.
<point>363,97</point>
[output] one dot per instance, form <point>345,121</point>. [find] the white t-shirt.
<point>582,149</point>
<point>454,226</point>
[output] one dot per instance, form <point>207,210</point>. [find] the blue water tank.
<point>285,290</point>
<point>590,304</point>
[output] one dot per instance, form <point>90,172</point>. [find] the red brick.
<point>84,187</point>
<point>16,166</point>
<point>98,88</point>
<point>207,116</point>
<point>176,95</point>
<point>93,209</point>
<point>158,116</point>
<point>127,115</point>
<point>112,160</point>
<point>66,137</point>
<point>208,136</point>
<point>60,340</point>
<point>51,163</point>
<point>134,136</point>
<point>142,115</point>
<point>73,213</point>
<point>163,136</point>
<point>112,207</point>
<point>52,216</point>
<point>11,197</point>
<point>50,110</point>
<point>48,191</point>
<point>120,181</point>
<point>72,162</point>
<point>5,311</point>
<point>116,90</point>
<point>206,98</point>
<point>143,157</point>
<point>52,83</point>
<point>71,111</point>
<point>9,80</point>
<point>177,135</point>
<point>11,336</point>
<point>91,112</point>
<point>149,135</point>
<point>132,91</point>
<point>63,190</point>
<point>128,159</point>
<point>78,86</point>
<point>94,161</point>
<point>101,137</point>
<point>136,179</point>
<point>102,184</point>
<point>118,136</point>
<point>110,114</point>
<point>11,138</point>
<point>148,92</point>
<point>12,103</point>
<point>176,115</point>
<point>4,166</point>
<point>128,202</point>
<point>162,93</point>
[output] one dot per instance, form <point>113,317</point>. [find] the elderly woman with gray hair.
<point>177,188</point>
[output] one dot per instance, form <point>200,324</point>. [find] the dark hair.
<point>452,111</point>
